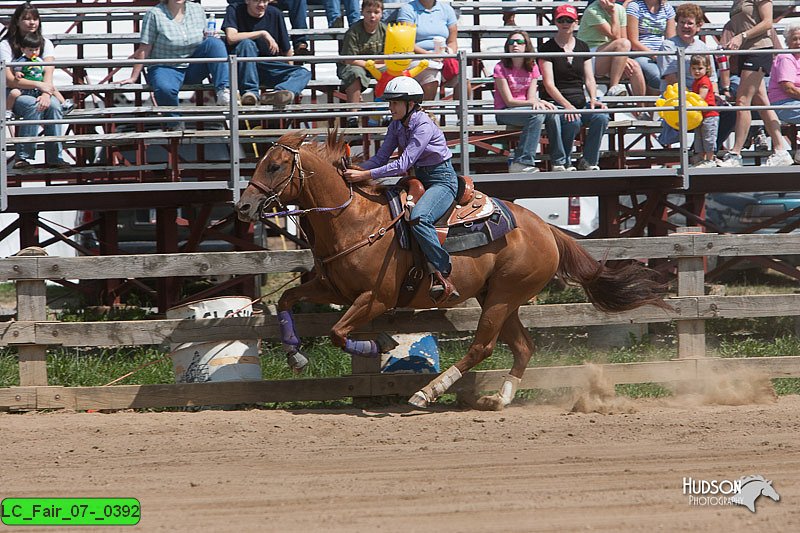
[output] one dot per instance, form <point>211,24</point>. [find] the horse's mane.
<point>331,151</point>
<point>748,479</point>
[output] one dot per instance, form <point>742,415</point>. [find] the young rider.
<point>422,147</point>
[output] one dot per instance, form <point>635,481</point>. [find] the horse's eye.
<point>274,167</point>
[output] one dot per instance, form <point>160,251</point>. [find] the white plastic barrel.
<point>197,362</point>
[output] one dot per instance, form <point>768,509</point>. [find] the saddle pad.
<point>476,234</point>
<point>402,231</point>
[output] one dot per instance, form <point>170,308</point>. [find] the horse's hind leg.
<point>492,318</point>
<point>519,341</point>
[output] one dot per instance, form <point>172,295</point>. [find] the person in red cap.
<point>563,82</point>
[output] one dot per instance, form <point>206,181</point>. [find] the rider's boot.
<point>442,289</point>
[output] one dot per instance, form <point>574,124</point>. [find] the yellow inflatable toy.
<point>399,40</point>
<point>670,98</point>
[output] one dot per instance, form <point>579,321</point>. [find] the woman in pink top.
<point>784,80</point>
<point>515,81</point>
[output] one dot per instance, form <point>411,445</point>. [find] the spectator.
<point>751,22</point>
<point>603,29</point>
<point>333,11</point>
<point>175,29</point>
<point>784,81</point>
<point>422,146</point>
<point>255,29</point>
<point>24,21</point>
<point>649,23</point>
<point>705,136</point>
<point>433,19</point>
<point>515,83</point>
<point>563,83</point>
<point>298,17</point>
<point>31,48</point>
<point>364,38</point>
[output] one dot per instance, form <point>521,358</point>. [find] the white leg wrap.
<point>509,389</point>
<point>444,381</point>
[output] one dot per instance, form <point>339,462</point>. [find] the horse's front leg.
<point>364,308</point>
<point>312,291</point>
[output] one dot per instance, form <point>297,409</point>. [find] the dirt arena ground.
<point>532,467</point>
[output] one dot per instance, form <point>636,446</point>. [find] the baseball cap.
<point>566,10</point>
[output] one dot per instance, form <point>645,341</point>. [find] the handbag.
<point>449,68</point>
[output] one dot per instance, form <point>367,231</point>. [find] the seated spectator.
<point>604,29</point>
<point>515,84</point>
<point>31,47</point>
<point>175,29</point>
<point>44,106</point>
<point>298,17</point>
<point>705,136</point>
<point>751,23</point>
<point>364,38</point>
<point>784,81</point>
<point>563,83</point>
<point>784,78</point>
<point>255,29</point>
<point>433,19</point>
<point>649,23</point>
<point>333,11</point>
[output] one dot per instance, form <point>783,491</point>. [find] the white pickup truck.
<point>576,214</point>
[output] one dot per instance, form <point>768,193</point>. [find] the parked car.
<point>575,214</point>
<point>739,212</point>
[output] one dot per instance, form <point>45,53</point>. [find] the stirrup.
<point>442,289</point>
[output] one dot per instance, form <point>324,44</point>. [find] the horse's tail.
<point>609,289</point>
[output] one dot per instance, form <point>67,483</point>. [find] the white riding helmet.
<point>403,88</point>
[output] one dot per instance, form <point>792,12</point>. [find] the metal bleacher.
<point>124,160</point>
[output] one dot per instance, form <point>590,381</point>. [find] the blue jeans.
<point>298,18</point>
<point>25,108</point>
<point>652,74</point>
<point>788,115</point>
<point>167,80</point>
<point>271,74</point>
<point>441,185</point>
<point>562,134</point>
<point>333,9</point>
<point>529,138</point>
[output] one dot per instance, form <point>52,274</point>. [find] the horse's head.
<point>278,178</point>
<point>769,491</point>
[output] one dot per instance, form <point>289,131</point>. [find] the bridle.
<point>273,195</point>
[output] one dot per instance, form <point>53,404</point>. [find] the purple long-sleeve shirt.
<point>422,143</point>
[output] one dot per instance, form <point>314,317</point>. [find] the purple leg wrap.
<point>362,348</point>
<point>288,336</point>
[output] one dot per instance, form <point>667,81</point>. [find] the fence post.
<point>691,282</point>
<point>32,306</point>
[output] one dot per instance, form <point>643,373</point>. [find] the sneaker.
<point>731,160</point>
<point>249,99</point>
<point>352,122</point>
<point>338,23</point>
<point>617,90</point>
<point>21,163</point>
<point>584,165</point>
<point>60,163</point>
<point>705,164</point>
<point>780,158</point>
<point>224,96</point>
<point>67,106</point>
<point>302,49</point>
<point>522,167</point>
<point>563,168</point>
<point>277,98</point>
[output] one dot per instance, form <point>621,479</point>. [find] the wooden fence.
<point>32,333</point>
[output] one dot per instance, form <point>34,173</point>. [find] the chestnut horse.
<point>357,266</point>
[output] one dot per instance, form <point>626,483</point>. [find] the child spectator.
<point>364,38</point>
<point>705,136</point>
<point>516,87</point>
<point>31,46</point>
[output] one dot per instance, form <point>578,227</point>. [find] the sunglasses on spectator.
<point>565,20</point>
<point>515,41</point>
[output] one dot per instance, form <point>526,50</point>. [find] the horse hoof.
<point>296,361</point>
<point>490,403</point>
<point>419,400</point>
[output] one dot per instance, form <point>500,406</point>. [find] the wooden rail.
<point>32,333</point>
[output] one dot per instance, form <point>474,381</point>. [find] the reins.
<point>273,196</point>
